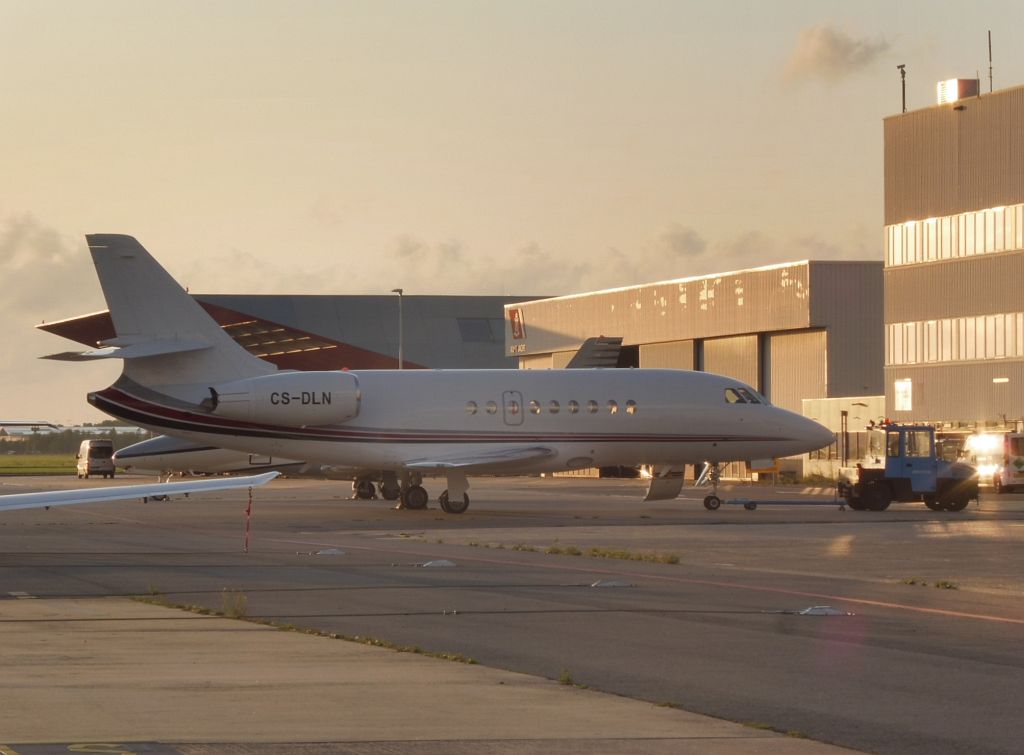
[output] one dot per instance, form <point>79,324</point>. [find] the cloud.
<point>44,273</point>
<point>684,242</point>
<point>45,276</point>
<point>825,52</point>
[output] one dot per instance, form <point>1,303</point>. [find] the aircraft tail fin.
<point>165,337</point>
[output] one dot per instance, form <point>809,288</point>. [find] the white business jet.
<point>184,376</point>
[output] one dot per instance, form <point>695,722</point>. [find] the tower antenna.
<point>903,83</point>
<point>990,61</point>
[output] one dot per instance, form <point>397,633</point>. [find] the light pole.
<point>400,334</point>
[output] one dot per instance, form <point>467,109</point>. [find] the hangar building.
<point>337,332</point>
<point>954,260</point>
<point>810,329</point>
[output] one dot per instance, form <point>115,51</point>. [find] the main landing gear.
<point>453,506</point>
<point>407,488</point>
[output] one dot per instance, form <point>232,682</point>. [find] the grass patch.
<point>913,581</point>
<point>37,464</point>
<point>796,734</point>
<point>361,639</point>
<point>524,547</point>
<point>564,550</point>
<point>234,604</point>
<point>565,678</point>
<point>627,555</point>
<point>945,584</point>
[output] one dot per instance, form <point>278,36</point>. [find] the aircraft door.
<point>512,406</point>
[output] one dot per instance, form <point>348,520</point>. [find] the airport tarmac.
<point>718,627</point>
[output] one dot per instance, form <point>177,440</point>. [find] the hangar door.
<point>678,355</point>
<point>736,357</point>
<point>798,365</point>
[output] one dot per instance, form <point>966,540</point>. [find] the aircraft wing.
<point>600,351</point>
<point>97,495</point>
<point>26,423</point>
<point>489,460</point>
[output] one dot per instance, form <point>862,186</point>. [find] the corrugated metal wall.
<point>848,302</point>
<point>677,355</point>
<point>955,288</point>
<point>536,362</point>
<point>961,393</point>
<point>750,301</point>
<point>952,158</point>
<point>797,367</point>
<point>738,357</point>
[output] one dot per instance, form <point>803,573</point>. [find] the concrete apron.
<point>111,669</point>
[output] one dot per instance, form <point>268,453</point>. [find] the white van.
<point>999,458</point>
<point>1009,475</point>
<point>96,457</point>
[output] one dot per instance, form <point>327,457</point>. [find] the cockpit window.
<point>743,396</point>
<point>749,396</point>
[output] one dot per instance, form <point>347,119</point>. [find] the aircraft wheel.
<point>933,504</point>
<point>365,490</point>
<point>712,502</point>
<point>415,497</point>
<point>750,506</point>
<point>389,493</point>
<point>452,507</point>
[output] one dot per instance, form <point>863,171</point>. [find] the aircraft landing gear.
<point>712,502</point>
<point>453,507</point>
<point>712,474</point>
<point>390,490</point>
<point>415,497</point>
<point>364,490</point>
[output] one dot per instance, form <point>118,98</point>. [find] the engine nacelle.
<point>295,399</point>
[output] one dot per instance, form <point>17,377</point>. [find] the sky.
<point>445,146</point>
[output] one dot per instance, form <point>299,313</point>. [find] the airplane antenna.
<point>990,61</point>
<point>903,83</point>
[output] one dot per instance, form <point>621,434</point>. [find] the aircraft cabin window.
<point>613,408</point>
<point>492,408</point>
<point>592,407</point>
<point>573,407</point>
<point>471,407</point>
<point>733,396</point>
<point>749,397</point>
<point>534,407</point>
<point>631,407</point>
<point>553,407</point>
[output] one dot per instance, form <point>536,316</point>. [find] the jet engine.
<point>295,399</point>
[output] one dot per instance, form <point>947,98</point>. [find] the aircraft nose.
<point>817,434</point>
<point>806,434</point>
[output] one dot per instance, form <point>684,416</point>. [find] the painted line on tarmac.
<point>690,581</point>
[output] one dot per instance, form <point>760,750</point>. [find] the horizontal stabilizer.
<point>133,351</point>
<point>125,492</point>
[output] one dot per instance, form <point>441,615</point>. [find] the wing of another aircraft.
<point>123,492</point>
<point>26,423</point>
<point>600,351</point>
<point>513,458</point>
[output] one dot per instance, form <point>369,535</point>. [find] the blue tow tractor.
<point>905,467</point>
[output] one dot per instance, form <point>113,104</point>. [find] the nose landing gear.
<point>712,473</point>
